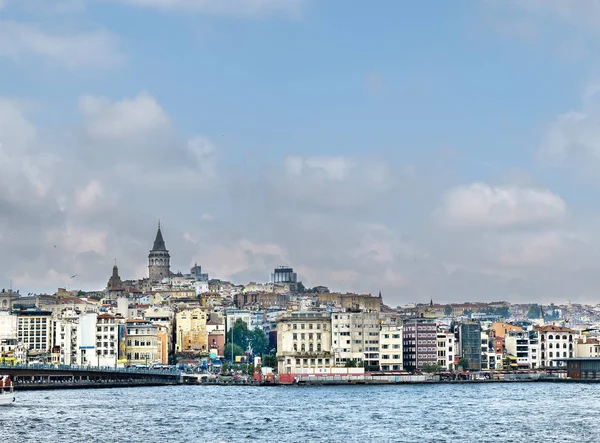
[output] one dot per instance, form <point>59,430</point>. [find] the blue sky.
<point>422,148</point>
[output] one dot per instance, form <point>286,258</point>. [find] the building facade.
<point>469,336</point>
<point>355,337</point>
<point>191,332</point>
<point>419,343</point>
<point>390,348</point>
<point>556,343</point>
<point>304,342</point>
<point>142,342</point>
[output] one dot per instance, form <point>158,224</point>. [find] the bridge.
<point>45,376</point>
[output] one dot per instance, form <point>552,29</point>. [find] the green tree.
<point>241,334</point>
<point>269,361</point>
<point>351,364</point>
<point>431,368</point>
<point>237,351</point>
<point>464,363</point>
<point>258,342</point>
<point>224,368</point>
<point>448,311</point>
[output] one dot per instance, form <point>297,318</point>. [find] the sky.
<point>424,149</point>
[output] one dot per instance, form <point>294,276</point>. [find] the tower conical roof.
<point>159,243</point>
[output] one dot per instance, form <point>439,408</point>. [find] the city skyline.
<point>448,154</point>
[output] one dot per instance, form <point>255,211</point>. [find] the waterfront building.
<point>516,344</point>
<point>164,318</point>
<point>469,336</point>
<point>446,350</point>
<point>159,260</point>
<point>390,348</point>
<point>142,342</point>
<point>8,325</point>
<point>556,343</point>
<point>587,347</point>
<point>355,337</point>
<point>107,339</point>
<point>419,343</point>
<point>304,342</point>
<point>191,334</point>
<point>34,332</point>
<point>75,338</point>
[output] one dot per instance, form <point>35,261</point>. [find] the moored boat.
<point>6,390</point>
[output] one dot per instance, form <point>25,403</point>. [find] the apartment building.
<point>107,339</point>
<point>446,350</point>
<point>419,343</point>
<point>355,337</point>
<point>390,348</point>
<point>142,342</point>
<point>34,331</point>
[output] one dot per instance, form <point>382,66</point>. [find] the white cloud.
<point>91,49</point>
<point>126,118</point>
<point>242,8</point>
<point>480,205</point>
<point>575,134</point>
<point>86,197</point>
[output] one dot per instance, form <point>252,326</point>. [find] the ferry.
<point>6,391</point>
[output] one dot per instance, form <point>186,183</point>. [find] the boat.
<point>6,391</point>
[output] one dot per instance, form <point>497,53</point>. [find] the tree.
<point>350,364</point>
<point>258,342</point>
<point>241,334</point>
<point>448,311</point>
<point>224,368</point>
<point>431,368</point>
<point>269,361</point>
<point>237,351</point>
<point>300,287</point>
<point>464,363</point>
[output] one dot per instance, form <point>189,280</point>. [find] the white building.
<point>75,334</point>
<point>304,342</point>
<point>390,348</point>
<point>8,325</point>
<point>34,332</point>
<point>107,340</point>
<point>446,349</point>
<point>587,347</point>
<point>556,343</point>
<point>355,336</point>
<point>517,345</point>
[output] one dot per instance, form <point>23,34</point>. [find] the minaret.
<point>159,260</point>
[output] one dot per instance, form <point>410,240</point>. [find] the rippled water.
<point>532,412</point>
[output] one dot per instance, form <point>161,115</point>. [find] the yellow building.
<point>191,335</point>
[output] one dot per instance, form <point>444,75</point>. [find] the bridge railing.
<point>109,369</point>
